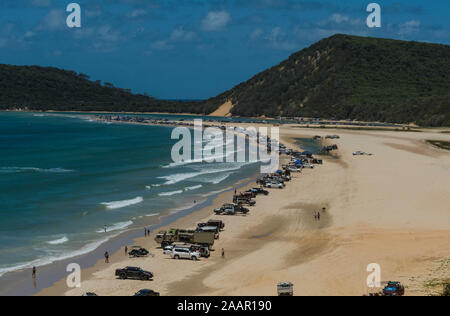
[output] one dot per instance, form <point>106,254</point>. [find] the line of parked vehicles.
<point>196,244</point>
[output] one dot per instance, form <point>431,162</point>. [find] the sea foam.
<point>114,227</point>
<point>120,204</point>
<point>170,193</point>
<point>59,241</point>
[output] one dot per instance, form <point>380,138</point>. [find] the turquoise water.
<point>64,177</point>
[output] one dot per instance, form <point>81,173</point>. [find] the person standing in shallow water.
<point>33,275</point>
<point>106,257</point>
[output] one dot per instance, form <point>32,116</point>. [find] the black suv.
<point>259,191</point>
<point>134,273</point>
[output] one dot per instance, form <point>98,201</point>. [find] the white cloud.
<point>342,19</point>
<point>409,27</point>
<point>179,34</point>
<point>275,38</point>
<point>256,34</point>
<point>136,13</point>
<point>339,18</point>
<point>162,45</point>
<point>54,20</point>
<point>216,20</point>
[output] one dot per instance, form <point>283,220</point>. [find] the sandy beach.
<point>391,208</point>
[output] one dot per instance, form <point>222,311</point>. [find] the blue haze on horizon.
<point>194,49</point>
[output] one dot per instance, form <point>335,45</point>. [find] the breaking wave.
<point>120,204</point>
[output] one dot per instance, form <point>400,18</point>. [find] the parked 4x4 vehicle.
<point>202,250</point>
<point>213,222</point>
<point>244,201</point>
<point>260,191</point>
<point>134,273</point>
<point>231,209</point>
<point>146,293</point>
<point>184,253</point>
<point>274,184</point>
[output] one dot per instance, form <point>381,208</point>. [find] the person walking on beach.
<point>318,216</point>
<point>145,231</point>
<point>223,253</point>
<point>33,275</point>
<point>106,257</point>
<point>126,250</point>
<point>149,232</point>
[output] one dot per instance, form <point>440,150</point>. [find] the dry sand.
<point>392,208</point>
<point>224,110</point>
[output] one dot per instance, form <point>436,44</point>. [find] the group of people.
<point>317,214</point>
<point>147,232</point>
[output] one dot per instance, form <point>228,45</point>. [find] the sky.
<point>195,49</point>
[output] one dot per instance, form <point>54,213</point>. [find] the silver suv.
<point>184,253</point>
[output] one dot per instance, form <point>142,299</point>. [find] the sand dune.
<point>223,110</point>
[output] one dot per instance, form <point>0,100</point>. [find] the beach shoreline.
<point>410,245</point>
<point>51,273</point>
<point>280,241</point>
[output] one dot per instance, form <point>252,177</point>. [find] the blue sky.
<point>194,49</point>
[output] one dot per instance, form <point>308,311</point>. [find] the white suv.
<point>274,184</point>
<point>184,253</point>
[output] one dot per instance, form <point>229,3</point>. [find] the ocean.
<point>63,177</point>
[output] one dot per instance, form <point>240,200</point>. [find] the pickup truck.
<point>260,191</point>
<point>243,201</point>
<point>213,222</point>
<point>166,238</point>
<point>231,209</point>
<point>134,273</point>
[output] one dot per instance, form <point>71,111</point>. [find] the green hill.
<point>47,88</point>
<point>341,77</point>
<point>349,77</point>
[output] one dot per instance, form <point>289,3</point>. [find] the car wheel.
<point>194,258</point>
<point>176,257</point>
<point>123,276</point>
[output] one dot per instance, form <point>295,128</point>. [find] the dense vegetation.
<point>446,291</point>
<point>45,88</point>
<point>353,77</point>
<point>341,77</point>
